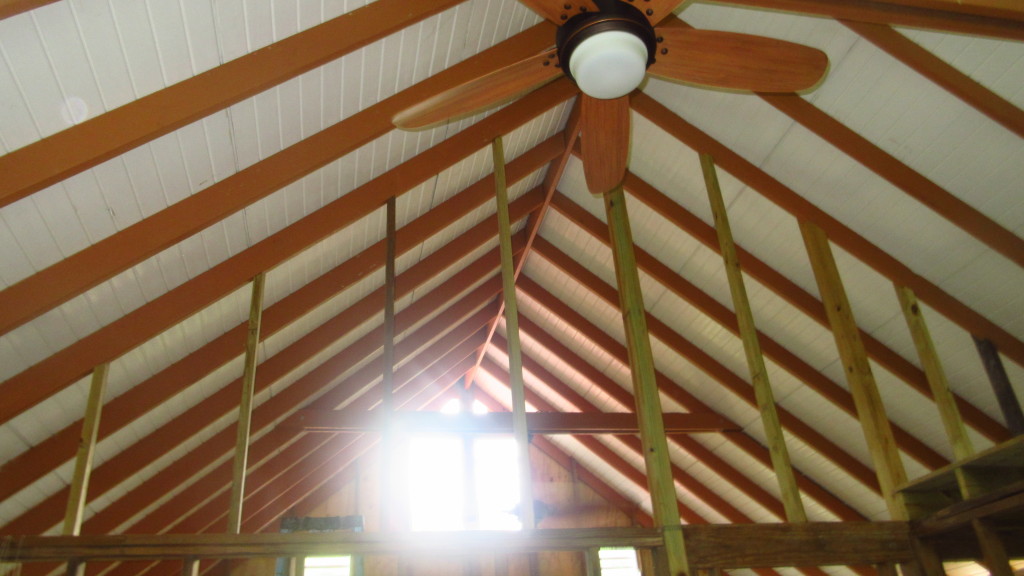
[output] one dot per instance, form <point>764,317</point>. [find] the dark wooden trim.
<point>1008,403</point>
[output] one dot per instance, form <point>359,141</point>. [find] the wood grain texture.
<point>604,142</point>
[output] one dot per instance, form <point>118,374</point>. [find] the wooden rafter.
<point>726,318</point>
<point>41,517</point>
<point>23,470</point>
<point>672,390</point>
<point>633,445</point>
<point>70,151</point>
<point>842,235</point>
<point>937,70</point>
<point>73,275</point>
<point>797,296</point>
<point>64,367</point>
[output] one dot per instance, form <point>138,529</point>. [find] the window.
<point>327,566</point>
<point>438,481</point>
<point>618,562</point>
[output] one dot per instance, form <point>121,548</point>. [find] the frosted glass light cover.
<point>609,65</point>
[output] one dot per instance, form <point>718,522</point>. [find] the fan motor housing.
<point>613,15</point>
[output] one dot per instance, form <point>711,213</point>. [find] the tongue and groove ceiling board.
<point>156,155</point>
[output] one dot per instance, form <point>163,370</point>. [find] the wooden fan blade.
<point>558,11</point>
<point>737,61</point>
<point>491,89</point>
<point>604,142</point>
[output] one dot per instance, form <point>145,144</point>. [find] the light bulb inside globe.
<point>609,65</point>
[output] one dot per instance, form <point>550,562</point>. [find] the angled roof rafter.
<point>937,70</point>
<point>64,367</point>
<point>797,296</point>
<point>684,398</point>
<point>39,518</point>
<point>84,145</point>
<point>119,412</point>
<point>724,317</point>
<point>102,260</point>
<point>839,233</point>
<point>632,444</point>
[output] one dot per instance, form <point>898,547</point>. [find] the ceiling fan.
<point>607,47</point>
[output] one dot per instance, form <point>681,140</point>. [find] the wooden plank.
<point>849,240</point>
<point>252,342</point>
<point>102,260</point>
<point>1006,457</point>
<point>956,433</point>
<point>752,349</point>
<point>870,410</point>
<point>388,517</point>
<point>71,151</point>
<point>515,358</point>
<point>79,489</point>
<point>883,12</point>
<point>811,544</point>
<point>501,422</point>
<point>1008,403</point>
<point>937,70</point>
<point>645,387</point>
<point>9,8</point>
<point>993,552</point>
<point>176,546</point>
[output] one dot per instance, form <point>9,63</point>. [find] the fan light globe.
<point>609,65</point>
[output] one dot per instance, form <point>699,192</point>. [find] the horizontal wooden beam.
<point>713,545</point>
<point>809,544</point>
<point>501,422</point>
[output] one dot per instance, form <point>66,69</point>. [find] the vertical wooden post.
<point>1008,403</point>
<point>388,487</point>
<point>755,361</point>
<point>645,388</point>
<point>86,449</point>
<point>515,360</point>
<point>245,406</point>
<point>870,411</point>
<point>190,567</point>
<point>592,561</point>
<point>956,432</point>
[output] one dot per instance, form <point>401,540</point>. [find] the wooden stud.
<point>755,361</point>
<point>875,424</point>
<point>515,361</point>
<point>956,432</point>
<point>1008,403</point>
<point>245,406</point>
<point>86,449</point>
<point>645,386</point>
<point>592,561</point>
<point>993,552</point>
<point>388,487</point>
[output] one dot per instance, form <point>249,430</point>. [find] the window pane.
<point>328,566</point>
<point>618,562</point>
<point>497,482</point>
<point>435,483</point>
